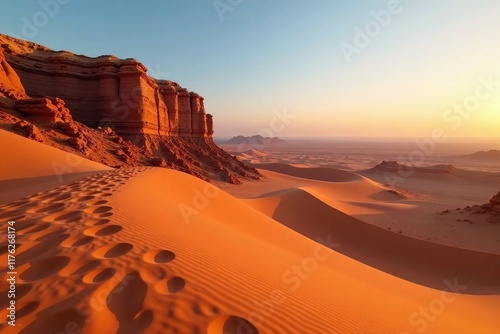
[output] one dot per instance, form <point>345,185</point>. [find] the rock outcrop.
<point>396,167</point>
<point>162,118</point>
<point>495,203</point>
<point>51,110</point>
<point>109,90</point>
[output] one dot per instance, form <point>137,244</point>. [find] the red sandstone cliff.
<point>61,92</point>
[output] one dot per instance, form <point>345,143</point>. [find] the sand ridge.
<point>149,250</point>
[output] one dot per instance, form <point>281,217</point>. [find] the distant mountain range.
<point>485,156</point>
<point>255,140</point>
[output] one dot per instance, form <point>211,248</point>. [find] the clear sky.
<point>333,68</point>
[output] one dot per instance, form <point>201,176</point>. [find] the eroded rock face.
<point>61,90</point>
<point>106,90</point>
<point>10,84</point>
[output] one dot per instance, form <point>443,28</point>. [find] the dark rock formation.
<point>394,166</point>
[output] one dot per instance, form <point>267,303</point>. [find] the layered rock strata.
<point>166,120</point>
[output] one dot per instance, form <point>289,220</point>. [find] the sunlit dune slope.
<point>29,166</point>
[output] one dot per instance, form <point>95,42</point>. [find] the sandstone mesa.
<point>105,104</point>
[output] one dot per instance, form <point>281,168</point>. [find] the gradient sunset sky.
<point>253,58</point>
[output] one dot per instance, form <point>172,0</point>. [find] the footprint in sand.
<point>175,284</point>
<point>69,217</point>
<point>231,325</point>
<point>87,267</point>
<point>27,309</point>
<point>43,196</point>
<point>98,202</point>
<point>170,286</point>
<point>38,228</point>
<point>98,275</point>
<point>4,248</point>
<point>50,235</point>
<point>113,250</point>
<point>77,241</point>
<point>84,198</point>
<point>56,321</point>
<point>153,274</point>
<point>21,291</point>
<point>40,249</point>
<point>10,214</point>
<point>102,209</point>
<point>103,231</point>
<point>44,268</point>
<point>24,224</point>
<point>17,203</point>
<point>61,197</point>
<point>205,310</point>
<point>96,222</point>
<point>160,256</point>
<point>56,207</point>
<point>131,291</point>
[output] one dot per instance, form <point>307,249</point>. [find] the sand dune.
<point>96,262</point>
<point>30,167</point>
<point>150,250</point>
<point>319,173</point>
<point>254,153</point>
<point>27,158</point>
<point>406,211</point>
<point>414,260</point>
<point>444,182</point>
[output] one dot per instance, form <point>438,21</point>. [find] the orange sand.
<point>158,251</point>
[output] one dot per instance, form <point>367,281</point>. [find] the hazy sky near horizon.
<point>329,68</point>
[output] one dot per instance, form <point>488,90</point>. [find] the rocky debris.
<point>489,212</point>
<point>389,166</point>
<point>78,143</point>
<point>128,154</point>
<point>108,131</point>
<point>159,162</point>
<point>45,109</point>
<point>112,135</point>
<point>119,152</point>
<point>230,177</point>
<point>69,128</point>
<point>21,125</point>
<point>31,131</point>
